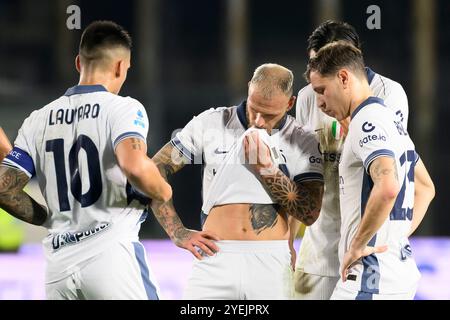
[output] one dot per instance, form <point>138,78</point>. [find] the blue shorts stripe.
<point>150,288</point>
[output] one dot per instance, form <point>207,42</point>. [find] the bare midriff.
<point>241,222</point>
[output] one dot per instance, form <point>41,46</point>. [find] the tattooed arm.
<point>170,160</point>
<point>5,145</point>
<point>386,186</point>
<point>300,200</point>
<point>140,170</point>
<point>15,201</point>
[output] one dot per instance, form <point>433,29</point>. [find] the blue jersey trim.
<point>180,147</point>
<point>150,288</point>
<point>366,102</point>
<point>377,154</point>
<point>20,159</point>
<point>81,89</point>
<point>370,74</point>
<point>309,176</point>
<point>126,135</point>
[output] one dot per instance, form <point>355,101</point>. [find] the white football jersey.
<point>69,146</point>
<point>213,136</point>
<point>376,132</point>
<point>318,252</point>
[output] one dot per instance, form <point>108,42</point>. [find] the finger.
<point>210,244</point>
<point>204,248</point>
<point>344,274</point>
<point>196,254</point>
<point>380,249</point>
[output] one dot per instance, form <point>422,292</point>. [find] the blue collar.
<point>242,115</point>
<point>370,74</point>
<point>80,89</point>
<point>369,100</point>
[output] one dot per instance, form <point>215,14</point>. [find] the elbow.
<point>165,193</point>
<point>390,191</point>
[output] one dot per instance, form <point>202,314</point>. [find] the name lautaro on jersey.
<point>68,116</point>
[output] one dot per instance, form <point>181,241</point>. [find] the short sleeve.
<point>371,139</point>
<point>21,155</point>
<point>308,166</point>
<point>189,141</point>
<point>305,101</point>
<point>129,121</point>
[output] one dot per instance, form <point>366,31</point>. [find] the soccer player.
<point>249,189</point>
<point>5,145</point>
<point>88,152</point>
<point>317,263</point>
<point>376,182</point>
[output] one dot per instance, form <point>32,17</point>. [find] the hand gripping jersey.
<point>69,145</point>
<point>214,138</point>
<point>319,247</point>
<point>376,132</point>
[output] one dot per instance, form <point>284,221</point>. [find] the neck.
<point>360,94</point>
<point>87,79</point>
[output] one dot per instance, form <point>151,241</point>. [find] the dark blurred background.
<point>192,55</point>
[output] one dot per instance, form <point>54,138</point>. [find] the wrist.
<point>269,169</point>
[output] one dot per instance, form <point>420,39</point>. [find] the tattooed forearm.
<point>302,201</point>
<point>169,160</point>
<point>263,216</point>
<point>15,201</point>
<point>170,221</point>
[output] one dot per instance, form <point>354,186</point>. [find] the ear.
<point>118,68</point>
<point>291,102</point>
<point>78,63</point>
<point>343,77</point>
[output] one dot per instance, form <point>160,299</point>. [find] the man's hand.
<point>353,255</point>
<point>257,153</point>
<point>192,240</point>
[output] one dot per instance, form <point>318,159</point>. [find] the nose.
<point>259,121</point>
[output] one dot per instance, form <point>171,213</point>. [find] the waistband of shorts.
<point>252,245</point>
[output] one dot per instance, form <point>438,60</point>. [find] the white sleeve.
<point>397,100</point>
<point>21,155</point>
<point>372,139</point>
<point>129,121</point>
<point>308,166</point>
<point>189,141</point>
<point>305,102</point>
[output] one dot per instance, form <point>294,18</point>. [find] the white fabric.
<point>242,270</point>
<point>309,286</point>
<point>115,274</point>
<point>75,136</point>
<point>374,132</point>
<point>216,135</point>
<point>318,253</point>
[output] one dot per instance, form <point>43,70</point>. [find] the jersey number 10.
<point>95,179</point>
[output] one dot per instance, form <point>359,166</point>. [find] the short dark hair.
<point>335,56</point>
<point>100,35</point>
<point>330,31</point>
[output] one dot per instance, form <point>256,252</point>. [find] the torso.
<point>248,222</point>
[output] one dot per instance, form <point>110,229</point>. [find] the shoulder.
<point>385,87</point>
<point>297,133</point>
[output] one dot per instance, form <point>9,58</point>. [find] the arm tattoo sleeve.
<point>15,201</point>
<point>169,160</point>
<point>301,200</point>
